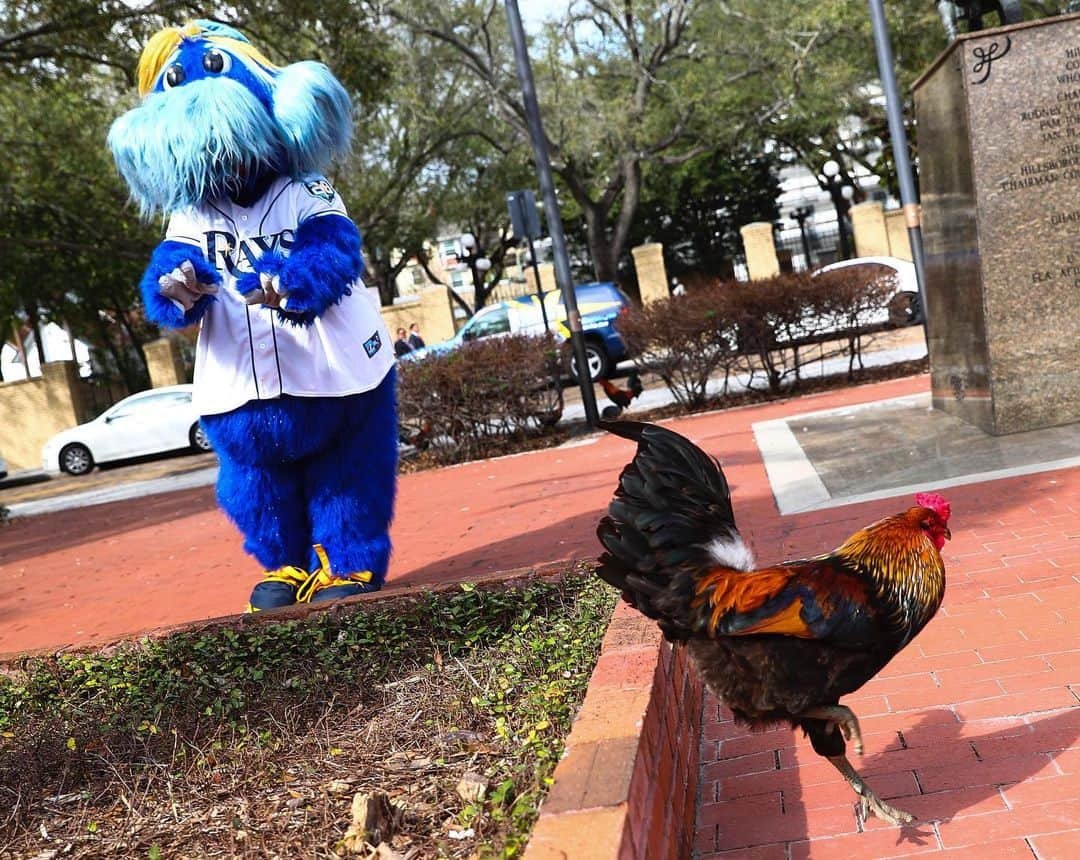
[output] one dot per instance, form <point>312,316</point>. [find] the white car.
<point>903,307</point>
<point>150,422</point>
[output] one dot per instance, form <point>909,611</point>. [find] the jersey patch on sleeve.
<point>322,189</point>
<point>372,345</point>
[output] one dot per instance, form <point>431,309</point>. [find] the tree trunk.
<point>106,338</point>
<point>136,377</point>
<point>600,246</point>
<point>35,327</point>
<point>605,267</point>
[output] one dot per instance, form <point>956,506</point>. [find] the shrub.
<point>686,340</point>
<point>778,317</point>
<point>852,297</point>
<point>468,403</point>
<point>765,326</point>
<point>784,315</point>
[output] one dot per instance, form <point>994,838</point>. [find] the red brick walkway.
<point>974,728</point>
<point>975,724</point>
<point>94,574</point>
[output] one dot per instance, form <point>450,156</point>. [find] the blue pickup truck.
<point>599,304</point>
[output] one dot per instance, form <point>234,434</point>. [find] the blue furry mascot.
<point>294,370</point>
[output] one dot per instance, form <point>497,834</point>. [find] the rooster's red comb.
<point>934,502</point>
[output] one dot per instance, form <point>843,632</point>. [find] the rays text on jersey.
<point>237,256</point>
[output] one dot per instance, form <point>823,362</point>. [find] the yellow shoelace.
<point>288,575</point>
<point>324,577</point>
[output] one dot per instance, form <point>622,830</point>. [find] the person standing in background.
<point>415,341</point>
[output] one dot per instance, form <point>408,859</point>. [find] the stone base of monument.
<point>999,167</point>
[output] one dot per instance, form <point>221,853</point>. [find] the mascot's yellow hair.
<point>164,42</point>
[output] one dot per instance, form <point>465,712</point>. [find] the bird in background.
<point>781,643</point>
<point>621,397</point>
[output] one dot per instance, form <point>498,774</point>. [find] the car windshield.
<point>137,405</point>
<point>496,322</point>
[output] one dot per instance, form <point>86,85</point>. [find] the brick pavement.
<point>975,723</point>
<point>974,728</point>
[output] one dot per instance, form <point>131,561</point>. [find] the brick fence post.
<point>761,259</point>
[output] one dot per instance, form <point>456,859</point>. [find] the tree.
<point>482,171</point>
<point>70,247</point>
<point>819,74</point>
<point>428,155</point>
<point>696,209</point>
<point>623,87</point>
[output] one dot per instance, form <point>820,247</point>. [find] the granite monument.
<point>999,162</point>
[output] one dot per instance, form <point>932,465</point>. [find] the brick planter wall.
<point>626,785</point>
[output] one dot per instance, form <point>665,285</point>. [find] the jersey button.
<point>262,346</point>
<point>243,217</point>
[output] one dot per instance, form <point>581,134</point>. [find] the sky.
<point>535,12</point>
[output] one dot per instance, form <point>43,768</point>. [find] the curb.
<point>627,784</point>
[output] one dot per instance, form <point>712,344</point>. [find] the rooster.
<point>778,643</point>
<point>621,397</point>
<point>420,438</point>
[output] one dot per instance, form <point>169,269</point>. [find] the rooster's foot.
<point>843,717</point>
<point>869,803</point>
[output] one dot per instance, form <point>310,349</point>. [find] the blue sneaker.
<point>278,588</point>
<point>324,584</point>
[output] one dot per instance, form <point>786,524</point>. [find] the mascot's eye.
<point>216,61</point>
<point>174,76</point>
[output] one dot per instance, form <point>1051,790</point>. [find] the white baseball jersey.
<point>245,352</point>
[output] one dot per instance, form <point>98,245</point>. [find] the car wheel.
<point>598,362</point>
<point>199,440</point>
<point>76,459</point>
<point>905,309</point>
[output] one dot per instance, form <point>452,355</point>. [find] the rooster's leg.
<point>868,801</point>
<point>840,716</point>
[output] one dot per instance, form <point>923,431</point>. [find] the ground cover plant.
<point>447,711</point>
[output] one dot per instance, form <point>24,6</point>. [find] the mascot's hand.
<point>268,292</point>
<point>276,285</point>
<point>183,288</point>
<point>263,286</point>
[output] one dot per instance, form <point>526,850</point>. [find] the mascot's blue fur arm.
<point>166,257</point>
<point>322,265</point>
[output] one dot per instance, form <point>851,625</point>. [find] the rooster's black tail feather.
<point>671,506</point>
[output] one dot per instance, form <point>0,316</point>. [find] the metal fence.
<point>824,245</point>
<point>99,393</point>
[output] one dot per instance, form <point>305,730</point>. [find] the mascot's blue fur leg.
<point>267,505</point>
<point>301,471</point>
<point>261,488</point>
<point>351,508</point>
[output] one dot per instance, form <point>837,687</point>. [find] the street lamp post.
<point>474,258</point>
<point>800,215</point>
<point>841,191</point>
<point>563,276</point>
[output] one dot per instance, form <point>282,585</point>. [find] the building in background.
<point>57,346</point>
<point>801,190</point>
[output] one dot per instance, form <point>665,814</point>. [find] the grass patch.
<point>254,741</point>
